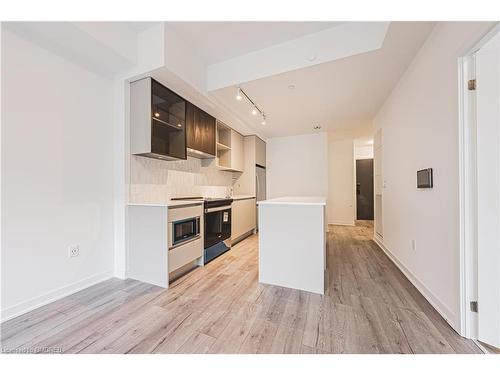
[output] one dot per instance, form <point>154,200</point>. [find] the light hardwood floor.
<point>369,307</point>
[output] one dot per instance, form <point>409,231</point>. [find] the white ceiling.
<point>102,47</point>
<point>219,41</point>
<point>338,95</point>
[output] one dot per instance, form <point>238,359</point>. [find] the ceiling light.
<point>317,127</point>
<point>291,87</point>
<point>157,114</point>
<point>240,95</point>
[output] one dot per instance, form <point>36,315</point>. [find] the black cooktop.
<point>208,201</point>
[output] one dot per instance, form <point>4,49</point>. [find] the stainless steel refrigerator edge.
<point>260,188</point>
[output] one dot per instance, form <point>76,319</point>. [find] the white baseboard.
<point>53,295</point>
<point>378,239</point>
<point>440,307</point>
<point>348,223</point>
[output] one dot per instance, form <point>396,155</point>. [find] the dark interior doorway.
<point>364,189</point>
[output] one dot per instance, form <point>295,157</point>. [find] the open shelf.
<point>225,168</point>
<point>223,135</point>
<point>224,158</point>
<point>222,147</point>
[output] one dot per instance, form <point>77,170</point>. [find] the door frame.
<point>467,188</point>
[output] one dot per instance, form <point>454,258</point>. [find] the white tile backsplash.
<point>156,181</point>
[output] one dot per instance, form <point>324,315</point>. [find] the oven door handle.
<point>215,209</point>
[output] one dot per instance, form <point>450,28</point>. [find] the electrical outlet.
<point>413,245</point>
<point>73,251</point>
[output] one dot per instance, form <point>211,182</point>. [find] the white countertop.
<point>173,203</point>
<point>296,201</point>
<point>241,197</point>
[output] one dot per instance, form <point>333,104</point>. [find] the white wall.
<point>363,152</point>
<point>341,204</point>
<point>420,130</point>
<point>297,166</point>
<point>57,176</point>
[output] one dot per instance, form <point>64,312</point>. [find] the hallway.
<point>388,313</point>
<point>369,307</point>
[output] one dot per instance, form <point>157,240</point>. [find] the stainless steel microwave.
<point>184,230</point>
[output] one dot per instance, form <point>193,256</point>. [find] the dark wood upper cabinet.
<point>157,121</point>
<point>200,132</point>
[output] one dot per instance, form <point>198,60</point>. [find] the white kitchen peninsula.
<point>292,243</point>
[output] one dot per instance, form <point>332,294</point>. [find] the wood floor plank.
<point>290,332</point>
<point>260,337</point>
<point>121,338</point>
<point>198,343</point>
<point>390,336</point>
<point>235,332</point>
<point>308,350</point>
<point>75,317</point>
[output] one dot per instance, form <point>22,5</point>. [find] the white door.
<point>488,190</point>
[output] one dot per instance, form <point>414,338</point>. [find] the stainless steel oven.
<point>185,230</point>
<point>217,225</point>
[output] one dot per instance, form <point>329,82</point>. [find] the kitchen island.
<point>292,242</point>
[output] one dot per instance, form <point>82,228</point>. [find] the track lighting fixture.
<point>255,109</point>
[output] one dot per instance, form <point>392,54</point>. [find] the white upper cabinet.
<point>260,152</point>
